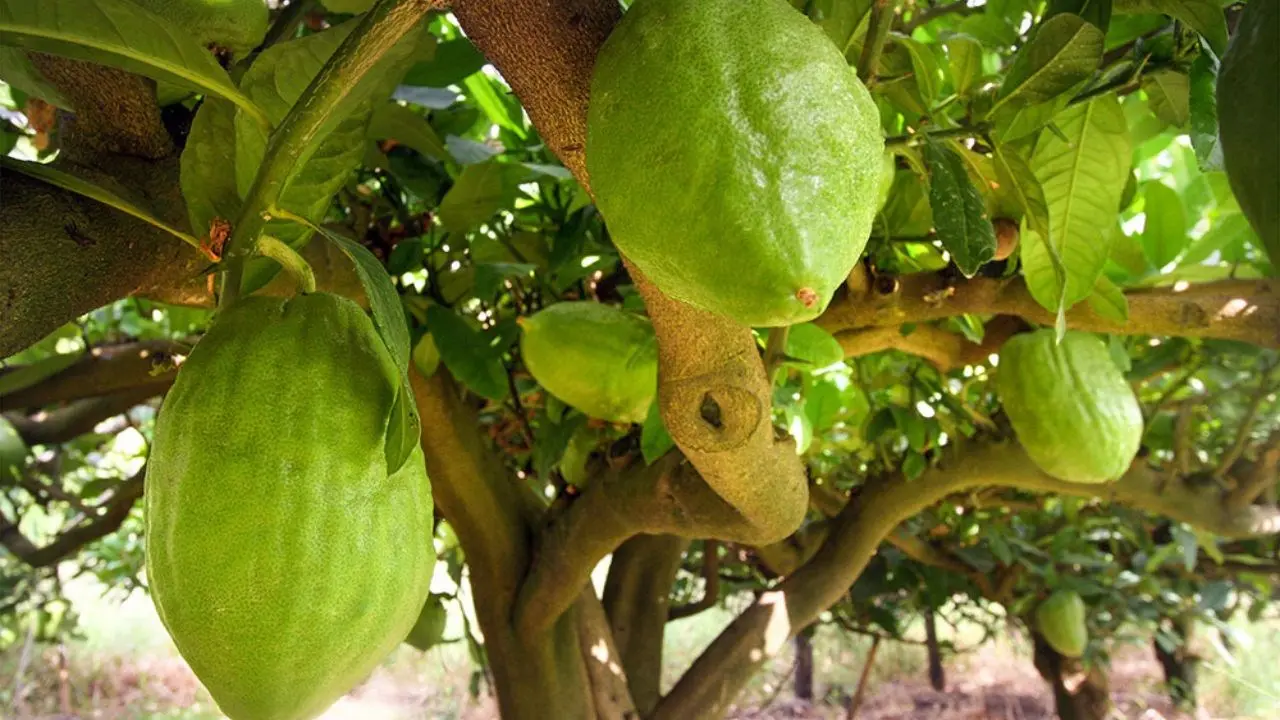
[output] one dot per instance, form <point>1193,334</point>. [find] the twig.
<point>855,703</point>
<point>1265,387</point>
<point>775,350</point>
<point>917,138</point>
<point>1263,475</point>
<point>960,7</point>
<point>286,23</point>
<point>114,512</point>
<point>710,591</point>
<point>877,33</point>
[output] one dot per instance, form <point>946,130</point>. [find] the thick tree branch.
<point>109,516</point>
<point>884,502</point>
<point>1244,310</point>
<point>1260,475</point>
<point>636,596</point>
<point>145,368</point>
<point>67,423</point>
<point>944,349</point>
<point>714,394</point>
<point>711,586</point>
<point>610,687</point>
<point>667,497</point>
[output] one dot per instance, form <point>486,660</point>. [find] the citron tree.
<point>858,309</point>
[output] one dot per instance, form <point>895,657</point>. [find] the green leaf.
<point>923,64</point>
<point>1082,178</point>
<point>965,55</point>
<point>813,346</point>
<point>426,356</point>
<point>1064,53</point>
<point>468,354</point>
<point>120,34</point>
<point>655,441</point>
<point>17,70</point>
<point>80,186</point>
<point>1229,230</point>
<point>1204,16</point>
<point>499,108</point>
<point>1165,233</point>
<point>1204,112</point>
<point>1169,95</point>
<point>479,192</point>
<point>1108,301</point>
<point>208,166</point>
<point>959,213</point>
<point>393,121</point>
<point>453,62</point>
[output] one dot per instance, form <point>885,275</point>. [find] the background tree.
<point>393,129</point>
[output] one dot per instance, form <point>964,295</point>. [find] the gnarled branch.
<point>110,515</point>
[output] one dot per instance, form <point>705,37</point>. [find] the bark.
<point>637,596</point>
<point>804,666</point>
<point>1180,665</point>
<point>1079,693</point>
<point>937,676</point>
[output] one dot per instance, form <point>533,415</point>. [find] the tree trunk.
<point>937,676</point>
<point>1079,693</point>
<point>804,665</point>
<point>1180,665</point>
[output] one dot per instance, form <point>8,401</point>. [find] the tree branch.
<point>111,515</point>
<point>884,502</point>
<point>944,349</point>
<point>882,17</point>
<point>711,588</point>
<point>67,423</point>
<point>1261,475</point>
<point>1244,310</point>
<point>926,554</point>
<point>715,397</point>
<point>960,7</point>
<point>636,596</point>
<point>143,368</point>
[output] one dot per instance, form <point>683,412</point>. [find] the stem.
<point>290,260</point>
<point>917,138</point>
<point>380,29</point>
<point>877,33</point>
<point>775,350</point>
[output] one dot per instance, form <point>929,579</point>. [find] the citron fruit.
<point>597,358</point>
<point>1061,620</point>
<point>1070,406</point>
<point>1249,119</point>
<point>734,154</point>
<point>283,559</point>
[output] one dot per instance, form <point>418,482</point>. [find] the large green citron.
<point>1061,620</point>
<point>734,154</point>
<point>283,558</point>
<point>1069,404</point>
<point>597,358</point>
<point>1249,118</point>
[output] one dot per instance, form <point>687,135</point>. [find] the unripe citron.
<point>283,559</point>
<point>734,154</point>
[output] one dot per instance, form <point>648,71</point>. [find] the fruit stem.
<point>290,260</point>
<point>775,350</point>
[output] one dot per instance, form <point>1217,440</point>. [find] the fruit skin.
<point>597,358</point>
<point>1061,620</point>
<point>234,25</point>
<point>429,629</point>
<point>734,154</point>
<point>1249,117</point>
<point>283,560</point>
<point>1007,236</point>
<point>1072,410</point>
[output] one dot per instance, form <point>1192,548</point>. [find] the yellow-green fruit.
<point>234,25</point>
<point>1069,404</point>
<point>734,154</point>
<point>429,629</point>
<point>1061,620</point>
<point>597,358</point>
<point>282,558</point>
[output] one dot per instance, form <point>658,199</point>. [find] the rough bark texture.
<point>636,598</point>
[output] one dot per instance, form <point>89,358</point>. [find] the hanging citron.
<point>734,154</point>
<point>283,557</point>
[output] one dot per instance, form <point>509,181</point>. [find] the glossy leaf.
<point>1083,177</point>
<point>1063,53</point>
<point>1108,301</point>
<point>120,34</point>
<point>1203,112</point>
<point>479,192</point>
<point>1165,233</point>
<point>208,166</point>
<point>959,212</point>
<point>392,121</point>
<point>1169,95</point>
<point>1204,16</point>
<point>468,354</point>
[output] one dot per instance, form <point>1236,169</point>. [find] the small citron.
<point>734,154</point>
<point>1061,620</point>
<point>597,358</point>
<point>1069,404</point>
<point>284,557</point>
